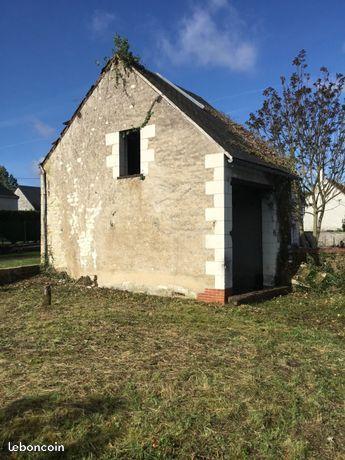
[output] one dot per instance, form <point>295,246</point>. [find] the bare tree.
<point>305,122</point>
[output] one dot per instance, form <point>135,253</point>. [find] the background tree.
<point>7,180</point>
<point>305,122</point>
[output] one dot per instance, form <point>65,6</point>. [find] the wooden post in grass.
<point>47,296</point>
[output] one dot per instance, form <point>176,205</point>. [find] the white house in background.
<point>334,213</point>
<point>29,198</point>
<point>8,200</point>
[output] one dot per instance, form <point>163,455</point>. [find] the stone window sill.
<point>133,176</point>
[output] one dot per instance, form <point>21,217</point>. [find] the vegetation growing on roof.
<point>122,60</point>
<point>252,143</point>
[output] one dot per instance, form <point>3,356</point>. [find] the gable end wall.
<point>149,235</point>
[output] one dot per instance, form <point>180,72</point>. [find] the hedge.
<point>19,226</point>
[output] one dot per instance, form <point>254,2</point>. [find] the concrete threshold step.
<point>259,296</point>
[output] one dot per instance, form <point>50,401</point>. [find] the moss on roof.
<point>232,137</point>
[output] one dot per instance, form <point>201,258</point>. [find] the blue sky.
<point>226,51</point>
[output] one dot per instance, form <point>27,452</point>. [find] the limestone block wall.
<point>147,235</point>
<point>215,239</point>
<point>147,154</point>
<point>228,243</point>
<point>220,215</point>
<point>167,232</point>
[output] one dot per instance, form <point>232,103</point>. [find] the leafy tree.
<point>305,122</point>
<point>7,180</point>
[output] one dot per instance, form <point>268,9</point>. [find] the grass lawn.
<point>19,259</point>
<point>116,375</point>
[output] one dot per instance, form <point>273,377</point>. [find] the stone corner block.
<point>144,169</point>
<point>219,282</point>
<point>148,131</point>
<point>148,155</point>
<point>214,268</point>
<point>112,138</point>
<point>110,161</point>
<point>214,241</point>
<point>214,160</point>
<point>214,187</point>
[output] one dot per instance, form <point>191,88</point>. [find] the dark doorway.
<point>247,238</point>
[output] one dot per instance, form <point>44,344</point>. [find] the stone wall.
<point>23,203</point>
<point>166,231</point>
<point>152,234</point>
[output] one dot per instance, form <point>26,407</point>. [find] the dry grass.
<point>118,375</point>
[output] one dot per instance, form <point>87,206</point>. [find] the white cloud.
<point>218,3</point>
<point>101,21</point>
<point>42,128</point>
<point>212,36</point>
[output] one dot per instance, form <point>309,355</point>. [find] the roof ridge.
<point>263,153</point>
<point>232,137</point>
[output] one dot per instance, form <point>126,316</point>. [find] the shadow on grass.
<point>85,427</point>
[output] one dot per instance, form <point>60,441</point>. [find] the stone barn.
<point>151,189</point>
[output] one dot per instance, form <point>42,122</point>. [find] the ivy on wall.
<point>122,63</point>
<point>282,194</point>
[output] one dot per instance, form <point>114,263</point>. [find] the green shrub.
<point>18,226</point>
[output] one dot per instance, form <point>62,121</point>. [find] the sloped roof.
<point>5,192</point>
<point>232,137</point>
<point>32,194</point>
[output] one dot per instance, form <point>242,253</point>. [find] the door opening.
<point>247,238</point>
